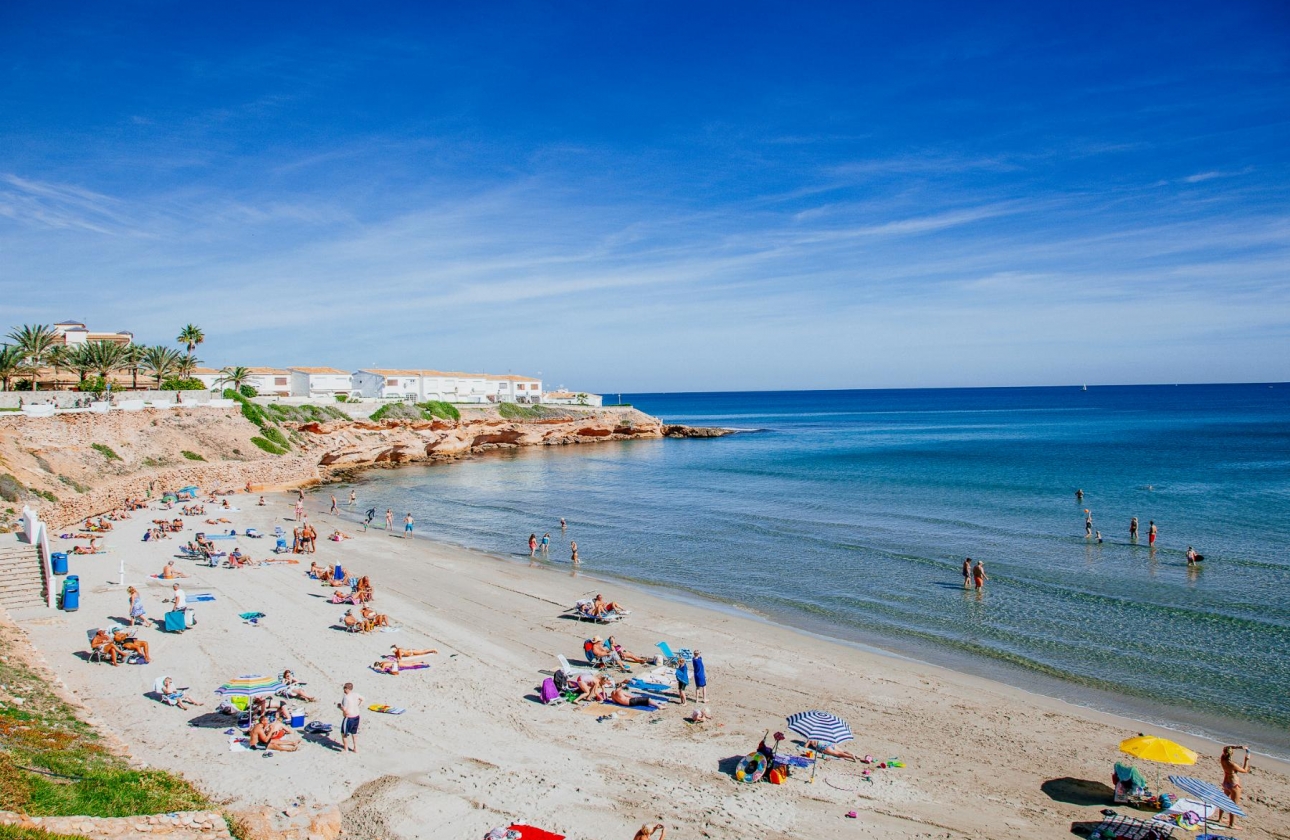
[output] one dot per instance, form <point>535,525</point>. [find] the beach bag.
<point>777,776</point>
<point>549,692</point>
<point>561,681</point>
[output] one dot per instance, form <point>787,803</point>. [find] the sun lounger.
<point>585,611</point>
<point>569,670</point>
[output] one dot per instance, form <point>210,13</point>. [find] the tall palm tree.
<point>35,341</point>
<point>186,365</point>
<point>191,336</point>
<point>10,363</point>
<point>59,358</point>
<point>107,357</point>
<point>160,361</point>
<point>234,376</point>
<point>134,358</point>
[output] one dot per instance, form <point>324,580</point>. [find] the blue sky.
<point>632,196</point>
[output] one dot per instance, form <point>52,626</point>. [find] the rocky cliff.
<point>75,465</point>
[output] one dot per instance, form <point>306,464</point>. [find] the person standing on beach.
<point>573,553</point>
<point>1133,529</point>
<point>407,525</point>
<point>352,498</point>
<point>546,543</point>
<point>333,505</point>
<point>1151,532</point>
<point>351,706</point>
<point>389,519</point>
<point>1232,779</point>
<point>300,509</point>
<point>700,679</point>
<point>978,575</point>
<point>532,545</point>
<point>371,514</point>
<point>967,573</point>
<point>682,679</point>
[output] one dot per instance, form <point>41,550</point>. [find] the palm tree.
<point>58,359</point>
<point>107,357</point>
<point>35,341</point>
<point>234,376</point>
<point>160,360</point>
<point>186,365</point>
<point>10,363</point>
<point>191,336</point>
<point>133,358</point>
<point>79,359</point>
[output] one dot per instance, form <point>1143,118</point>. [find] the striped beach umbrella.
<point>820,726</point>
<point>1210,794</point>
<point>251,685</point>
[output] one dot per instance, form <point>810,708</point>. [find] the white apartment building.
<point>422,385</point>
<point>319,382</point>
<point>271,382</point>
<point>74,332</point>
<point>573,398</point>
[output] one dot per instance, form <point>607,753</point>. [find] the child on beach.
<point>546,542</point>
<point>407,525</point>
<point>532,545</point>
<point>350,705</point>
<point>700,679</point>
<point>682,679</point>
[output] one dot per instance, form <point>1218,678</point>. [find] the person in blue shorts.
<point>407,525</point>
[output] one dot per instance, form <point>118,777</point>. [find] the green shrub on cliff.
<point>274,434</point>
<point>11,489</point>
<point>271,448</point>
<point>176,383</point>
<point>106,451</point>
<point>74,484</point>
<point>192,456</point>
<point>248,391</point>
<point>511,411</point>
<point>17,832</point>
<point>439,408</point>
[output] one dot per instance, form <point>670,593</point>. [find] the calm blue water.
<point>850,513</point>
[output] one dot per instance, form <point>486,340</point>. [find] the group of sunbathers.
<point>193,510</point>
<point>603,653</point>
<point>119,644</point>
<point>97,526</point>
<point>598,607</point>
<point>366,621</point>
<point>173,526</point>
<point>602,687</point>
<point>400,658</point>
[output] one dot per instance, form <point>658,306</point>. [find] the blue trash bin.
<point>59,561</point>
<point>72,593</point>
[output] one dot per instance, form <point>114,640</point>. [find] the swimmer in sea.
<point>1133,529</point>
<point>1151,532</point>
<point>978,575</point>
<point>1079,495</point>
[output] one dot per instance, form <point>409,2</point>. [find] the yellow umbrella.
<point>1161,750</point>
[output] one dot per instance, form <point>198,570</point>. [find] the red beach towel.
<point>528,832</point>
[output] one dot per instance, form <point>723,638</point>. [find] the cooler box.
<point>59,561</point>
<point>297,718</point>
<point>71,593</point>
<point>176,621</point>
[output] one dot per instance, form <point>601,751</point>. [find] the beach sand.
<point>476,750</point>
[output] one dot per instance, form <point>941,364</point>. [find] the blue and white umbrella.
<point>1208,793</point>
<point>820,726</point>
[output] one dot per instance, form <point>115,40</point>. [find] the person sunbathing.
<point>86,549</point>
<point>169,572</point>
<point>606,655</point>
<point>647,833</point>
<point>624,654</point>
<point>622,698</point>
<point>104,525</point>
<point>272,735</point>
<point>372,619</point>
<point>337,536</point>
<point>127,642</point>
<point>363,589</point>
<point>261,502</point>
<point>351,621</point>
<point>316,571</point>
<point>602,607</point>
<point>399,654</point>
<point>102,642</point>
<point>293,689</point>
<point>830,749</point>
<point>341,579</point>
<point>589,687</point>
<point>176,697</point>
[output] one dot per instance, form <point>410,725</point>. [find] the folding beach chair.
<point>569,670</point>
<point>671,658</point>
<point>96,654</point>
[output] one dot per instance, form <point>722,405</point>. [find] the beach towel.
<point>251,616</point>
<point>415,666</point>
<point>647,686</point>
<point>385,710</point>
<point>528,832</point>
<point>221,536</point>
<point>202,596</point>
<point>236,744</point>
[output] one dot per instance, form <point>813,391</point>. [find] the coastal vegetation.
<point>417,411</point>
<point>106,451</point>
<point>304,413</point>
<point>513,411</point>
<point>192,456</point>
<point>175,383</point>
<point>54,764</point>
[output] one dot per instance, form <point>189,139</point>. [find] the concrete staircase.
<point>22,577</point>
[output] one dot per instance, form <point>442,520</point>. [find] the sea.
<point>848,514</point>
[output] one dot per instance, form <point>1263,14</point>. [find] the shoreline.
<point>996,672</point>
<point>475,749</point>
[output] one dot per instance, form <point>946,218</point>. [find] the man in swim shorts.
<point>350,705</point>
<point>1151,532</point>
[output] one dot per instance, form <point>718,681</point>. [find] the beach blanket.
<point>528,832</point>
<point>385,710</point>
<point>220,536</point>
<point>1182,806</point>
<point>251,616</point>
<point>202,596</point>
<point>415,666</point>
<point>239,745</point>
<point>648,686</point>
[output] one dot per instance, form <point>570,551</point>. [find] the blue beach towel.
<point>202,596</point>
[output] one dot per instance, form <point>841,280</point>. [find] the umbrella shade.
<point>820,726</point>
<point>1163,750</point>
<point>252,685</point>
<point>1208,793</point>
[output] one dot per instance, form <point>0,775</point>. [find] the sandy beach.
<point>476,750</point>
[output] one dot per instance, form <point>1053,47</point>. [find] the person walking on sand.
<point>1133,529</point>
<point>573,553</point>
<point>967,573</point>
<point>333,504</point>
<point>532,545</point>
<point>351,706</point>
<point>300,509</point>
<point>389,519</point>
<point>1151,532</point>
<point>978,575</point>
<point>546,544</point>
<point>1232,779</point>
<point>407,525</point>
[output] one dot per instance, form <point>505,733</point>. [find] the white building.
<point>208,377</point>
<point>269,382</point>
<point>74,332</point>
<point>572,398</point>
<point>422,385</point>
<point>319,382</point>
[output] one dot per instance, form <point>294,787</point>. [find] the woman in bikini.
<point>1232,778</point>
